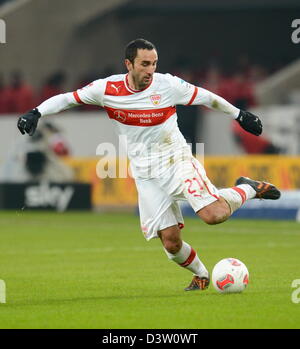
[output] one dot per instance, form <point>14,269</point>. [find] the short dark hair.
<point>133,46</point>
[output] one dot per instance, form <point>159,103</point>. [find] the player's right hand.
<point>27,123</point>
<point>250,122</point>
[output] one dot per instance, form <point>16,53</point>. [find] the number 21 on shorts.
<point>194,186</point>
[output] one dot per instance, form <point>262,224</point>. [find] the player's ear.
<point>128,64</point>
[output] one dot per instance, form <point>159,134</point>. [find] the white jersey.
<point>147,118</point>
<point>161,161</point>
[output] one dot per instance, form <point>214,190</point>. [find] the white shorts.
<point>158,197</point>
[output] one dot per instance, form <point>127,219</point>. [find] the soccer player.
<point>142,106</point>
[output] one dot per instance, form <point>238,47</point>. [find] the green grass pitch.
<point>88,270</point>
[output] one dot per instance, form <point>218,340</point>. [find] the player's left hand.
<point>250,122</point>
<point>28,122</point>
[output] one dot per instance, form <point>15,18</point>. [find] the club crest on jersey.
<point>155,99</point>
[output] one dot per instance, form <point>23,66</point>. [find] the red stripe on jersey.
<point>190,259</point>
<point>116,88</point>
<point>241,192</point>
<point>193,96</point>
<point>149,117</point>
<point>76,96</point>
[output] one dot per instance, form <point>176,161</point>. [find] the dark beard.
<point>141,85</point>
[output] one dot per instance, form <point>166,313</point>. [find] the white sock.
<point>187,258</point>
<point>237,195</point>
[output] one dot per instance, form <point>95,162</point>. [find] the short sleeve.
<point>91,94</point>
<point>184,92</point>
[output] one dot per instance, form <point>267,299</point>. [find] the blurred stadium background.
<point>242,50</point>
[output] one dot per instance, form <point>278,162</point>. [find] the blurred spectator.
<point>242,91</point>
<point>18,96</point>
<point>237,87</point>
<point>55,139</point>
<point>33,160</point>
<point>53,86</point>
<point>251,144</point>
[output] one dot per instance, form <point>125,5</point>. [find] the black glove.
<point>250,122</point>
<point>28,122</point>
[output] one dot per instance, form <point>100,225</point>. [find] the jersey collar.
<point>132,90</point>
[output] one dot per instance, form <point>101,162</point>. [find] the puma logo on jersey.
<point>115,87</point>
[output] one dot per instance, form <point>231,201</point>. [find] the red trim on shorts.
<point>193,96</point>
<point>180,225</point>
<point>241,192</point>
<point>190,259</point>
<point>215,196</point>
<point>76,96</point>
